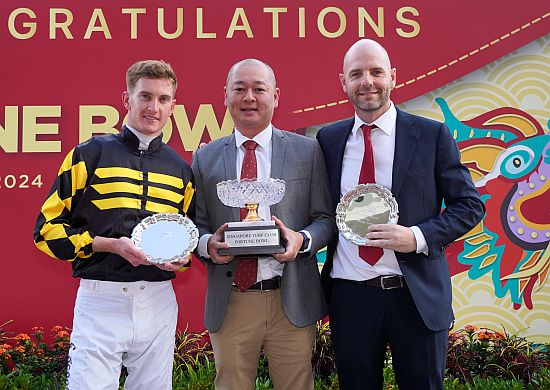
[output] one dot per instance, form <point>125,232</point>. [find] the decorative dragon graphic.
<point>508,154</point>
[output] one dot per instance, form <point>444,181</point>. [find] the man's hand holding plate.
<point>174,266</point>
<point>388,236</point>
<point>123,246</point>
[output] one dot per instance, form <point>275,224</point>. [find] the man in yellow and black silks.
<point>125,311</point>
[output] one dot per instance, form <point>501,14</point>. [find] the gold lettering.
<point>378,28</point>
<point>31,128</point>
<point>9,133</point>
<point>97,15</point>
<point>200,27</point>
<point>31,26</point>
<point>86,126</point>
<point>409,22</point>
<point>301,22</point>
<point>64,26</point>
<point>134,12</point>
<point>275,19</point>
<point>239,14</point>
<point>191,136</point>
<point>179,24</point>
<point>321,22</point>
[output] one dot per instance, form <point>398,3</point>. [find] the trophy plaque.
<point>165,237</point>
<point>252,236</point>
<point>364,205</point>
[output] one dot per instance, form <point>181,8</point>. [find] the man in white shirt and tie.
<point>266,302</point>
<point>397,289</point>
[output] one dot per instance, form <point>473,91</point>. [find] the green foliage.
<point>322,360</point>
<point>476,360</point>
<point>198,375</point>
<point>486,353</point>
<point>18,380</point>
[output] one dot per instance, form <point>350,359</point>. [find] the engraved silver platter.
<point>365,205</point>
<point>239,193</point>
<point>165,237</point>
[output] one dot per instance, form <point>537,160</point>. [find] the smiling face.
<point>150,103</point>
<point>251,96</point>
<point>367,79</point>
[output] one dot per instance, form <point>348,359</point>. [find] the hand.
<point>175,265</point>
<point>123,246</point>
<point>293,240</point>
<point>215,243</point>
<point>395,237</point>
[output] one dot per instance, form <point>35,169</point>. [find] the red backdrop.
<point>58,82</point>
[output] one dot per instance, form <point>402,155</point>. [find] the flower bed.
<point>477,359</point>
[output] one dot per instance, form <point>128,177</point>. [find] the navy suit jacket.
<point>426,171</point>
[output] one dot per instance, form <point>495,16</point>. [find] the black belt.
<point>385,282</point>
<point>268,284</point>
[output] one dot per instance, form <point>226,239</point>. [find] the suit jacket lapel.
<point>339,141</point>
<point>230,165</point>
<point>406,140</point>
<point>278,146</point>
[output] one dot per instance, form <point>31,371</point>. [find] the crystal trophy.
<point>252,236</point>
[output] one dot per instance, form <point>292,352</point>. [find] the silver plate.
<point>165,237</point>
<point>365,205</point>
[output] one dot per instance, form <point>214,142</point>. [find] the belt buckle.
<point>388,277</point>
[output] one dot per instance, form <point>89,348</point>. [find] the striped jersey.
<point>105,187</point>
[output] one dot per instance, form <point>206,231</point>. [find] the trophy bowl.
<point>239,193</point>
<point>365,205</point>
<point>252,236</point>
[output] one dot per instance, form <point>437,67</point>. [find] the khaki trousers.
<point>254,320</point>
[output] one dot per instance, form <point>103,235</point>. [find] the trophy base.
<point>252,238</point>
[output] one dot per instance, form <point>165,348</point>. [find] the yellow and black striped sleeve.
<point>53,233</point>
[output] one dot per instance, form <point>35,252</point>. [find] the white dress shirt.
<point>347,263</point>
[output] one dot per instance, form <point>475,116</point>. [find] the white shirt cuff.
<point>421,245</point>
<point>308,248</point>
<point>203,246</point>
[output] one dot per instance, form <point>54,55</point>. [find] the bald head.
<point>368,79</point>
<point>366,47</point>
<point>251,62</point>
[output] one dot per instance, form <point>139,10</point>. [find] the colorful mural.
<point>499,116</point>
<point>509,157</point>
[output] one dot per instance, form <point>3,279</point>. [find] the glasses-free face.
<point>149,105</point>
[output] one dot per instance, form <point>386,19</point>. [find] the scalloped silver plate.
<point>165,237</point>
<point>365,205</point>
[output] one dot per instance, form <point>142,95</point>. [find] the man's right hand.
<point>123,246</point>
<point>215,243</point>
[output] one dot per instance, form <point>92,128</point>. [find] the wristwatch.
<point>305,243</point>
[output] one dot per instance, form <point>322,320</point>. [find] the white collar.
<point>263,138</point>
<point>385,122</point>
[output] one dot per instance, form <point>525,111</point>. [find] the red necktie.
<point>247,269</point>
<point>370,254</point>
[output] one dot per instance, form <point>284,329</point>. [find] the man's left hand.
<point>174,266</point>
<point>395,237</point>
<point>293,242</point>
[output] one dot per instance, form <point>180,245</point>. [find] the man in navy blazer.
<point>404,297</point>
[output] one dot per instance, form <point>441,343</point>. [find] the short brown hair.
<point>150,69</point>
